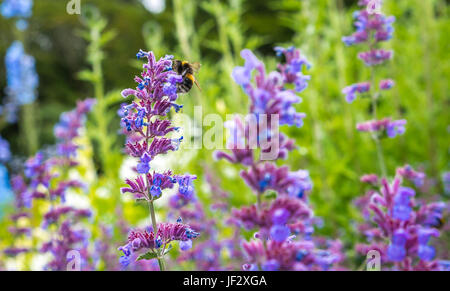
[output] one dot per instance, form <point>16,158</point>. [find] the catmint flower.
<point>69,126</point>
<point>407,172</point>
<point>403,226</point>
<point>144,167</point>
<point>396,251</point>
<point>185,245</point>
<point>146,127</point>
<point>392,128</point>
<point>167,232</point>
<point>402,204</point>
<point>425,251</point>
<point>350,91</point>
<point>396,127</point>
<point>279,233</point>
<point>367,24</point>
<point>386,84</point>
<point>268,96</point>
<point>280,216</point>
<point>186,186</point>
<point>375,57</point>
<point>271,265</point>
<point>242,75</point>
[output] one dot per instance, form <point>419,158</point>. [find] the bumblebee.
<point>186,70</point>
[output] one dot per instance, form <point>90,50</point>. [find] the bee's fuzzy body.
<point>186,70</point>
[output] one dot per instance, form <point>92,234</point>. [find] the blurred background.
<point>93,55</point>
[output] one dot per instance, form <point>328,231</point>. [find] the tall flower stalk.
<point>371,30</point>
<point>146,124</point>
<point>399,226</point>
<point>46,178</point>
<point>284,224</point>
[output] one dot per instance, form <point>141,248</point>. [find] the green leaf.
<point>147,256</point>
<point>166,251</point>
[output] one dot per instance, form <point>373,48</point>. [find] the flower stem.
<point>155,231</point>
<point>374,96</point>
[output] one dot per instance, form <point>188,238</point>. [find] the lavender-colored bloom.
<point>16,8</point>
<point>396,253</point>
<point>268,96</point>
<point>69,125</point>
<point>144,166</point>
<point>391,127</point>
<point>167,232</point>
<point>426,252</point>
<point>271,265</point>
<point>424,235</point>
<point>280,216</point>
<point>402,204</point>
<point>22,79</point>
<point>280,233</point>
<point>350,91</point>
<point>124,261</point>
<point>386,84</point>
<point>367,24</point>
<point>375,57</point>
<point>185,245</point>
<point>186,186</point>
<point>145,126</point>
<point>396,127</point>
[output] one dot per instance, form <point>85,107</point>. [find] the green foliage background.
<point>213,32</point>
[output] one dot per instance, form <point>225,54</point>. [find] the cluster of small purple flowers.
<point>46,178</point>
<point>146,125</point>
<point>398,226</point>
<point>403,225</point>
<point>371,29</point>
<point>284,226</point>
<point>208,253</point>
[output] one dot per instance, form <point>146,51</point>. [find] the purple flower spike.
<point>146,125</point>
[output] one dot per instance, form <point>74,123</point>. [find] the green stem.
<point>28,128</point>
<point>155,231</point>
<point>374,96</point>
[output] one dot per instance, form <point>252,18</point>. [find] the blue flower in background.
<point>16,8</point>
<point>21,76</point>
<point>5,188</point>
<point>5,153</point>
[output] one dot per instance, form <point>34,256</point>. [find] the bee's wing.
<point>196,66</point>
